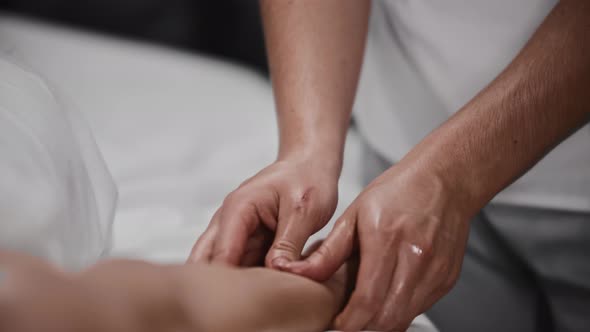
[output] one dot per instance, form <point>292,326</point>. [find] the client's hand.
<point>285,203</point>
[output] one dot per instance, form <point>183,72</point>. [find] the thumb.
<point>330,256</point>
<point>288,244</point>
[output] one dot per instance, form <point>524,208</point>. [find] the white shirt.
<point>425,59</point>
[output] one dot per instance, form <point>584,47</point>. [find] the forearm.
<point>538,101</point>
<point>212,298</point>
<point>207,298</point>
<point>115,295</point>
<point>315,51</point>
<point>259,299</point>
<point>138,296</point>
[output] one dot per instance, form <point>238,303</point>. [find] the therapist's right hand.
<point>278,208</point>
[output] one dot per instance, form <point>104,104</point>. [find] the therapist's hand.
<point>283,204</point>
<point>411,234</point>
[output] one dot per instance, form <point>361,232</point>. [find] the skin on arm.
<point>412,221</point>
<point>261,300</point>
<point>315,51</point>
<point>539,100</point>
<point>126,295</point>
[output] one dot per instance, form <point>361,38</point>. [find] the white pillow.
<point>57,198</point>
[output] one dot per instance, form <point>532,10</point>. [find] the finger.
<point>201,251</point>
<point>397,311</point>
<point>295,226</point>
<point>374,278</point>
<point>256,247</point>
<point>203,248</point>
<point>313,247</point>
<point>332,253</point>
<point>237,224</point>
<point>442,278</point>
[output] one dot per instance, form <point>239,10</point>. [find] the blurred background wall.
<point>230,29</point>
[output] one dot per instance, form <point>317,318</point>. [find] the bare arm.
<point>315,50</point>
<point>258,299</point>
<point>539,100</point>
<point>418,211</point>
<point>138,296</point>
<point>214,298</point>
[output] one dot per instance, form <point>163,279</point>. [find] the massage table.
<point>178,131</point>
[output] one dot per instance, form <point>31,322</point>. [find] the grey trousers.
<point>525,269</point>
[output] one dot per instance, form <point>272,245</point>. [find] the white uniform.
<point>425,59</point>
<point>57,198</point>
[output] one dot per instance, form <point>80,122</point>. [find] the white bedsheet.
<point>177,131</point>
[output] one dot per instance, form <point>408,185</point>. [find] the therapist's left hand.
<point>411,231</point>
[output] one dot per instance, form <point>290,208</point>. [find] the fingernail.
<point>280,263</point>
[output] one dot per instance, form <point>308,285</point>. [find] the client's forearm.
<point>143,297</point>
<point>257,299</point>
<point>35,296</point>
<point>210,298</point>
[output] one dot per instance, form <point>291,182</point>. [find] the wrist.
<point>323,158</point>
<point>461,197</point>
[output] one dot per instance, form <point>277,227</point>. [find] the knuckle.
<point>442,270</point>
<point>220,253</point>
<point>304,199</point>
<point>232,198</point>
<point>240,204</point>
<point>285,246</point>
<point>427,251</point>
<point>423,251</point>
